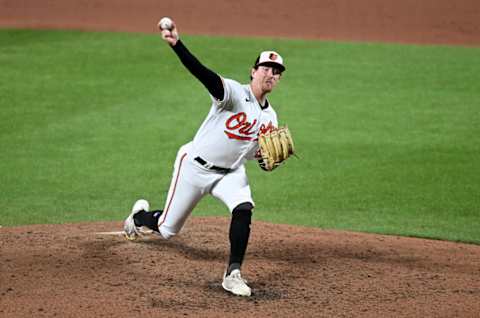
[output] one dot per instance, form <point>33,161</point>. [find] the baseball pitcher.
<point>241,125</point>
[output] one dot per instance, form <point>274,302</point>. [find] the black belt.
<point>210,166</point>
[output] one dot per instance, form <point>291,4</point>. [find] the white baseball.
<point>165,23</point>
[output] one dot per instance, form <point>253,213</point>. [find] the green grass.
<point>388,135</point>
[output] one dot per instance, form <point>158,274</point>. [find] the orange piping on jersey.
<point>174,188</point>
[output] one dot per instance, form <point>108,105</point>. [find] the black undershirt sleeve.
<point>208,78</point>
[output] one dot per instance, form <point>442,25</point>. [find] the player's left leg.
<point>239,233</point>
<point>234,191</point>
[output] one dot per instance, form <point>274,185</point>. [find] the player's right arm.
<point>211,80</point>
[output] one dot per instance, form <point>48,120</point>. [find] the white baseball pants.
<point>191,182</point>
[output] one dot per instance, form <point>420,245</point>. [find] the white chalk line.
<point>110,233</point>
<point>143,232</point>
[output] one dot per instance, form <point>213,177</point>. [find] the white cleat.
<point>235,284</point>
<point>131,230</point>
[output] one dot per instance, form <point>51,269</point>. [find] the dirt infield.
<point>73,271</point>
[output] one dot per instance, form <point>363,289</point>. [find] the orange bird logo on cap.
<point>273,56</point>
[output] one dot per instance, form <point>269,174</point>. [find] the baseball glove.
<point>276,146</point>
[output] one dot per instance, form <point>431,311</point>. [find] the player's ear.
<point>252,73</point>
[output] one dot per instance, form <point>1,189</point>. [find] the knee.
<point>166,234</point>
<point>243,212</point>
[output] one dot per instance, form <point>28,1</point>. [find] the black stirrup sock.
<point>148,219</point>
<point>239,234</point>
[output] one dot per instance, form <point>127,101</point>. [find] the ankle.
<point>232,267</point>
<point>148,219</point>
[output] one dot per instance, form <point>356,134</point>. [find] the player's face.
<point>266,77</point>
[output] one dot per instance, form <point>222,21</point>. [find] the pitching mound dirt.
<point>74,270</point>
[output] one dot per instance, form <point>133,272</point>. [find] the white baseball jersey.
<point>227,138</point>
<point>229,134</point>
